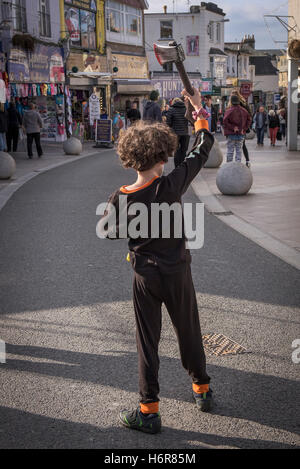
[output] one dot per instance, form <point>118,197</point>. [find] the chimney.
<point>165,9</point>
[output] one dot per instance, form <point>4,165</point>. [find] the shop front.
<point>131,82</point>
<point>87,76</point>
<point>38,77</point>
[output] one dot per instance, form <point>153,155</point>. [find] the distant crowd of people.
<point>236,123</point>
<point>11,124</point>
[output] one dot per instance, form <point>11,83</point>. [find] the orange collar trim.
<point>126,191</point>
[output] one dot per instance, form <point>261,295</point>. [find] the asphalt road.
<point>67,320</point>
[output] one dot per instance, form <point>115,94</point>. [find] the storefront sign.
<point>94,108</point>
<point>130,66</point>
<point>277,98</point>
<point>170,88</point>
<point>44,65</point>
<point>103,130</point>
<point>87,62</point>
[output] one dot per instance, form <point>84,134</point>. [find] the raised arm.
<point>181,177</point>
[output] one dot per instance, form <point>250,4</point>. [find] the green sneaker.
<point>204,401</point>
<point>137,421</point>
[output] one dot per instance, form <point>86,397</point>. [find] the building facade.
<point>126,56</point>
<point>201,33</point>
<point>82,26</point>
<point>32,64</point>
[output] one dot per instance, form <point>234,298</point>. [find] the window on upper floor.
<point>123,22</point>
<point>218,32</point>
<point>210,31</point>
<point>80,19</point>
<point>166,29</point>
<point>45,23</point>
<point>15,11</point>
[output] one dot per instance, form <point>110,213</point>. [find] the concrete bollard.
<point>7,165</point>
<point>234,179</point>
<point>72,146</point>
<point>215,158</point>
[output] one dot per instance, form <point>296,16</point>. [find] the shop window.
<point>166,29</point>
<point>15,11</point>
<point>80,18</point>
<point>45,23</point>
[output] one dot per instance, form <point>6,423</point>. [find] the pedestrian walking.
<point>152,111</point>
<point>3,128</point>
<point>14,123</point>
<point>245,105</point>
<point>274,126</point>
<point>162,272</point>
<point>210,108</point>
<point>33,124</point>
<point>175,118</point>
<point>134,114</point>
<point>236,121</point>
<point>282,121</point>
<point>260,121</point>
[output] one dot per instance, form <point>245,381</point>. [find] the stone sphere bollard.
<point>215,158</point>
<point>72,146</point>
<point>7,165</point>
<point>234,179</point>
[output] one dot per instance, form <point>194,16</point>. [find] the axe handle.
<point>184,78</point>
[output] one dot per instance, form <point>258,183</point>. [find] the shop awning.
<point>89,78</point>
<point>133,86</point>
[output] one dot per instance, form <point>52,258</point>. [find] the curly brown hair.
<point>144,145</point>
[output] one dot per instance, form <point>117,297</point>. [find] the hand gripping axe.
<point>174,53</point>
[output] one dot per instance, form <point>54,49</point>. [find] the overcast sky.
<point>246,17</point>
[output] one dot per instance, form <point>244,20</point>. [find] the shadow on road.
<point>45,432</point>
<point>243,395</point>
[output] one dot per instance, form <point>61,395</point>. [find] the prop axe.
<point>174,53</point>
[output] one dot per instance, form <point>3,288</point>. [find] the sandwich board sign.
<point>103,132</point>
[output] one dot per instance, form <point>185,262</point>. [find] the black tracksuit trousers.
<point>176,290</point>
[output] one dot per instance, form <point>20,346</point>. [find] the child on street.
<point>162,271</point>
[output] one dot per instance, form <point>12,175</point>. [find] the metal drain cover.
<point>219,344</point>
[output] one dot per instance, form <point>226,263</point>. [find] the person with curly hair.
<point>162,271</point>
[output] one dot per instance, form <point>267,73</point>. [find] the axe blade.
<point>165,54</point>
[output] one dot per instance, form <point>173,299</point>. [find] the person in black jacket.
<point>152,111</point>
<point>3,129</point>
<point>14,121</point>
<point>179,124</point>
